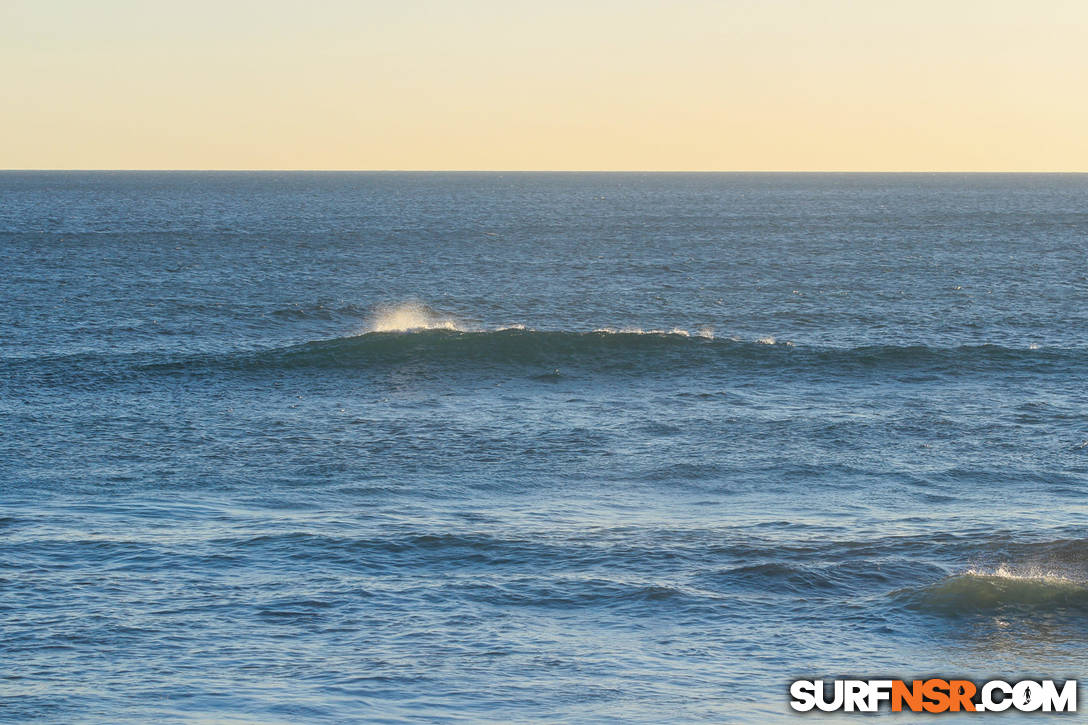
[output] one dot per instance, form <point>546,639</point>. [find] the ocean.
<point>535,447</point>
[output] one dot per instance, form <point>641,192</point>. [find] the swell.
<point>1003,589</point>
<point>555,352</point>
<point>1045,576</point>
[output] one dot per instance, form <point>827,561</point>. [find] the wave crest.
<point>411,316</point>
<point>437,342</point>
<point>1004,588</point>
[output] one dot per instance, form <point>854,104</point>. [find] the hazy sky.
<point>553,84</point>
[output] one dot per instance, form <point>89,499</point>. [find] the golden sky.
<point>788,85</point>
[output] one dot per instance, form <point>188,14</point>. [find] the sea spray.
<point>411,316</point>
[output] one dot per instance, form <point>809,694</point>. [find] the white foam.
<point>621,330</point>
<point>679,331</point>
<point>1024,573</point>
<point>411,316</point>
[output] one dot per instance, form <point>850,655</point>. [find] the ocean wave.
<point>445,345</point>
<point>1001,589</point>
<point>452,349</point>
<point>633,350</point>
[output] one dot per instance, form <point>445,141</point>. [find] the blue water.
<point>340,447</point>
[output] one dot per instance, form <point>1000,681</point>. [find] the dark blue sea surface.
<point>437,447</point>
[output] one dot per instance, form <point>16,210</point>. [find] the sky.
<point>728,85</point>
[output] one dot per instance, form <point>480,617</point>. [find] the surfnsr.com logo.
<point>933,695</point>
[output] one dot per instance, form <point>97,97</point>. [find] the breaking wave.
<point>416,334</point>
<point>443,349</point>
<point>635,349</point>
<point>1001,589</point>
<point>411,316</point>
